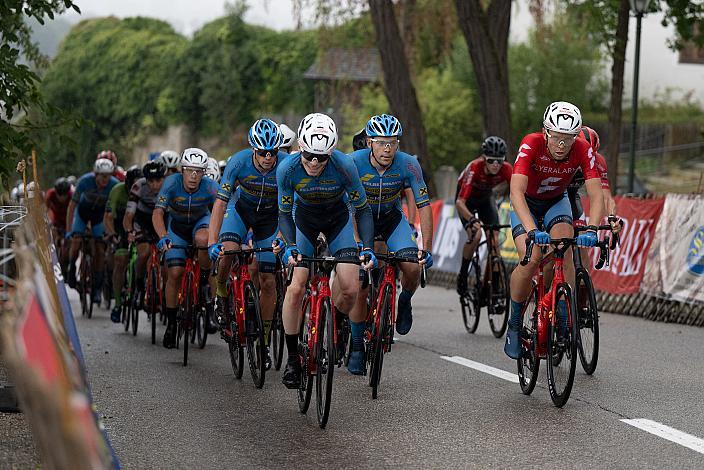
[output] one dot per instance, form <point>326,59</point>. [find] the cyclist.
<point>359,140</point>
<point>385,171</point>
<point>213,170</point>
<point>288,138</point>
<point>253,205</point>
<point>545,165</point>
<point>322,179</point>
<point>187,196</point>
<point>57,201</point>
<point>87,206</point>
<point>138,217</point>
<point>114,227</point>
<point>592,138</point>
<point>118,173</point>
<point>221,165</point>
<point>475,194</point>
<point>171,161</point>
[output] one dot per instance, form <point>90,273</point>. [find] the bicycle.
<point>587,309</point>
<point>153,293</point>
<point>190,298</point>
<point>276,334</point>
<point>245,327</point>
<point>491,291</point>
<point>130,313</point>
<point>543,335</point>
<point>318,336</point>
<point>85,275</point>
<point>381,316</point>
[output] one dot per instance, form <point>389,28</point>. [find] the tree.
<point>485,25</point>
<point>18,81</point>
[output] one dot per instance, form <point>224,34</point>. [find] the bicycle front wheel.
<point>470,300</point>
<point>276,333</point>
<point>134,306</point>
<point>379,338</point>
<point>234,346</point>
<point>186,314</point>
<point>255,335</point>
<point>529,362</point>
<point>153,302</point>
<point>562,348</point>
<point>305,387</point>
<point>588,321</point>
<point>499,297</point>
<point>325,361</point>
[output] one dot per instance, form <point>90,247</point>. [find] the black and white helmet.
<point>194,158</point>
<point>563,117</point>
<point>317,134</point>
<point>170,159</point>
<point>103,166</point>
<point>289,137</point>
<point>213,170</point>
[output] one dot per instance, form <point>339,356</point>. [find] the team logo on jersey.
<point>286,200</point>
<point>227,187</point>
<point>366,177</point>
<point>162,199</point>
<point>521,152</point>
<point>354,195</point>
<point>302,183</point>
<point>423,191</point>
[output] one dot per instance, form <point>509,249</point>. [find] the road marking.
<point>502,374</point>
<point>668,433</point>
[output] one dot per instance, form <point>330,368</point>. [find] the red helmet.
<point>109,154</point>
<point>590,135</point>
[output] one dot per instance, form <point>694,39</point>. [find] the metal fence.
<point>10,219</point>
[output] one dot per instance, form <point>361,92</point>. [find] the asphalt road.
<point>430,412</point>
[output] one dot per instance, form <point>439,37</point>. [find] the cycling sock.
<point>267,330</point>
<point>292,345</point>
<point>117,295</point>
<point>357,335</point>
<point>405,296</point>
<point>221,289</point>
<point>464,267</point>
<point>515,320</point>
<point>171,314</point>
<point>204,275</point>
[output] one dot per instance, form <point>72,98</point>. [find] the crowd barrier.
<point>656,272</point>
<point>44,358</point>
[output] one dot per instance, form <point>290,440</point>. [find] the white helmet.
<point>194,158</point>
<point>317,134</point>
<point>222,164</point>
<point>213,170</point>
<point>563,117</point>
<point>289,137</point>
<point>170,159</point>
<point>103,166</point>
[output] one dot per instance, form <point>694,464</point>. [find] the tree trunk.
<point>616,104</point>
<point>486,34</point>
<point>398,86</point>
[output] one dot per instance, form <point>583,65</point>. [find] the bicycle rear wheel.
<point>470,301</point>
<point>153,301</point>
<point>84,285</point>
<point>107,288</point>
<point>562,350</point>
<point>305,387</point>
<point>234,346</point>
<point>134,307</point>
<point>529,362</point>
<point>588,321</point>
<point>379,338</point>
<point>325,362</point>
<point>499,297</point>
<point>277,336</point>
<point>255,335</point>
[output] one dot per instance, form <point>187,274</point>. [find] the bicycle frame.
<point>192,269</point>
<point>388,277</point>
<point>319,290</point>
<point>153,262</point>
<point>239,276</point>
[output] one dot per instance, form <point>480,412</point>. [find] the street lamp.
<point>639,7</point>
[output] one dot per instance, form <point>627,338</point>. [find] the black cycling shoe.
<point>71,277</point>
<point>169,341</point>
<point>212,326</point>
<point>267,358</point>
<point>292,373</point>
<point>221,311</point>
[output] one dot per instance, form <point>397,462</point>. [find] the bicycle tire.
<point>256,351</point>
<point>499,297</point>
<point>202,328</point>
<point>152,293</point>
<point>134,306</point>
<point>469,302</point>
<point>276,334</point>
<point>235,349</point>
<point>561,350</point>
<point>325,362</point>
<point>588,321</point>
<point>378,342</point>
<point>305,387</point>
<point>83,282</point>
<point>529,362</point>
<point>186,308</point>
<point>107,288</point>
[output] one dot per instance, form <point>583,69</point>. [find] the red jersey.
<point>475,182</point>
<point>119,174</point>
<point>578,180</point>
<point>57,209</point>
<point>547,178</point>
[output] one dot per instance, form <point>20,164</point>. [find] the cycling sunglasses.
<point>321,157</point>
<point>493,161</point>
<point>267,153</point>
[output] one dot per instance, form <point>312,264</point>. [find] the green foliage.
<point>557,63</point>
<point>372,101</point>
<point>18,82</point>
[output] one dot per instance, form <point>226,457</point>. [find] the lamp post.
<point>639,7</point>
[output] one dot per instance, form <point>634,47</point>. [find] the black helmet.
<point>359,140</point>
<point>153,170</point>
<point>62,186</point>
<point>494,147</point>
<point>133,174</point>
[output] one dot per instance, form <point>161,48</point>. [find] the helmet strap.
<point>383,167</point>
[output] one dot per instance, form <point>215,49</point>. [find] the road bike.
<point>276,334</point>
<point>85,274</point>
<point>153,293</point>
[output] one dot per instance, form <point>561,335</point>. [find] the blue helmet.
<point>384,125</point>
<point>265,135</point>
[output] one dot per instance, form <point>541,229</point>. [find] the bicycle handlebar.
<point>392,258</point>
<point>330,260</point>
<point>561,245</point>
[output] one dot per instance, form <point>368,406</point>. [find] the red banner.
<point>625,271</point>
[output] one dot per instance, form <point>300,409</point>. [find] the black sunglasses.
<point>321,157</point>
<point>491,161</point>
<point>267,153</point>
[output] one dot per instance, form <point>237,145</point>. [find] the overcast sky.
<point>659,67</point>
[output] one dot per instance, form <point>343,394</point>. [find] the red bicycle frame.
<point>239,276</point>
<point>153,262</point>
<point>319,290</point>
<point>374,315</point>
<point>192,269</point>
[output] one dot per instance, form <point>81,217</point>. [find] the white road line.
<point>666,432</point>
<point>502,374</point>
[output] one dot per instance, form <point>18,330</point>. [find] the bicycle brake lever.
<point>529,252</point>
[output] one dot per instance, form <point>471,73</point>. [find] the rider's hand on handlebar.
<point>368,259</point>
<point>164,244</point>
<point>214,251</point>
<point>616,224</point>
<point>425,258</point>
<point>539,237</point>
<point>587,239</point>
<point>292,256</point>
